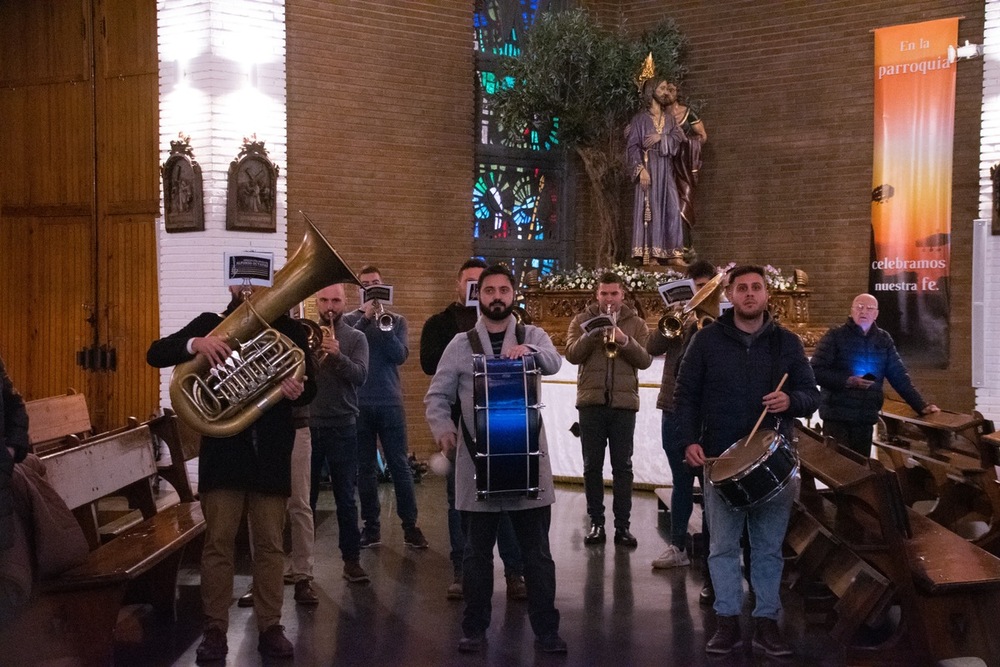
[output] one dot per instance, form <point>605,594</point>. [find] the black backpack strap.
<point>519,333</point>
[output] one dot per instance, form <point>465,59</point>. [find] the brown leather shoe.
<point>246,600</point>
<point>726,637</point>
<point>274,644</point>
<point>213,647</point>
<point>304,593</point>
<point>354,573</point>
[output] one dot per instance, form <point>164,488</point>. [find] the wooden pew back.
<point>119,463</point>
<point>52,420</point>
<point>947,589</point>
<point>945,458</point>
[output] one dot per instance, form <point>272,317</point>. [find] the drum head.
<point>743,456</point>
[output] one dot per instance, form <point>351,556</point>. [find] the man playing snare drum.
<point>727,379</point>
<point>496,334</point>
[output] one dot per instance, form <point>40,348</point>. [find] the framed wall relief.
<point>252,188</point>
<point>183,199</point>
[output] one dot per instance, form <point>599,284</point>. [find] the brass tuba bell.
<point>222,402</point>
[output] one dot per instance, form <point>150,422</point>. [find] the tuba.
<point>221,402</point>
<point>701,309</point>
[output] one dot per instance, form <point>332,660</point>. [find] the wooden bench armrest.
<point>135,551</point>
<point>943,420</point>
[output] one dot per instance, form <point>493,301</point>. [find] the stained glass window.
<point>518,195</point>
<point>516,203</point>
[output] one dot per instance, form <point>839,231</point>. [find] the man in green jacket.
<point>607,398</point>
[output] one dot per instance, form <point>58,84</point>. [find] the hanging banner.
<point>911,187</point>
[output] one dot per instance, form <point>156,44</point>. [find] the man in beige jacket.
<point>607,398</point>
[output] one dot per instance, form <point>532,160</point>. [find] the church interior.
<point>128,126</point>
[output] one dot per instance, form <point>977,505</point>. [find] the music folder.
<point>596,324</point>
<point>381,292</point>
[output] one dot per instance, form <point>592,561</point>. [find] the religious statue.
<point>663,152</point>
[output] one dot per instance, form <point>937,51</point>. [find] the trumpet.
<point>382,316</point>
<point>610,346</point>
<point>314,335</point>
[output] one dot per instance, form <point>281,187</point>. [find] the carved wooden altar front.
<point>553,310</point>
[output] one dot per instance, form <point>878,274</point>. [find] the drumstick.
<point>764,413</point>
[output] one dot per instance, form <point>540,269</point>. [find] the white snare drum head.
<point>741,457</point>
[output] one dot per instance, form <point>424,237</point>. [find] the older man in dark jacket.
<point>851,363</point>
<point>730,373</point>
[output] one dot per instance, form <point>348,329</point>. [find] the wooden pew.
<point>880,558</point>
<point>75,614</point>
<point>183,444</point>
<point>57,421</point>
<point>947,459</point>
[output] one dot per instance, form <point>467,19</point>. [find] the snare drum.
<point>505,396</point>
<point>752,473</point>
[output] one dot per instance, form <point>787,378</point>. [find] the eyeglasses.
<point>864,308</point>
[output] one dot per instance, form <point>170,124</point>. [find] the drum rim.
<point>771,448</point>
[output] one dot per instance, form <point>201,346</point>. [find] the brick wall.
<point>222,78</point>
<point>788,97</point>
<point>988,395</point>
<point>380,146</point>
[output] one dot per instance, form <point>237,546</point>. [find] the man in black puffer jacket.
<point>851,363</point>
<point>13,449</point>
<point>730,373</point>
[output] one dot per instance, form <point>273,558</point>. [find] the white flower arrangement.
<point>637,280</point>
<point>772,276</point>
<point>634,278</point>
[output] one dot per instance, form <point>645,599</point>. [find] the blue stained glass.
<point>516,203</point>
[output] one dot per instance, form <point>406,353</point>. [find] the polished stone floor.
<point>616,610</point>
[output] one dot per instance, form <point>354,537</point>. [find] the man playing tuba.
<point>247,471</point>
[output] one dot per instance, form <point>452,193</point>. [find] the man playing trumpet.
<point>382,418</point>
<point>333,424</point>
<point>607,398</point>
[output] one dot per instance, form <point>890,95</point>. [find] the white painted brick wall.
<point>222,78</point>
<point>988,396</point>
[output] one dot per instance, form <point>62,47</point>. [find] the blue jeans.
<point>531,530</point>
<point>385,423</point>
<point>338,447</point>
<point>510,552</point>
<point>682,493</point>
<point>612,428</point>
<point>766,524</point>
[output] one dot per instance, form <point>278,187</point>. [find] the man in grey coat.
<point>499,335</point>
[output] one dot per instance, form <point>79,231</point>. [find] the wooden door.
<point>79,199</point>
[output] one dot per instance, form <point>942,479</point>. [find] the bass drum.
<point>750,473</point>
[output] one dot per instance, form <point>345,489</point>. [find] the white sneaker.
<point>672,557</point>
